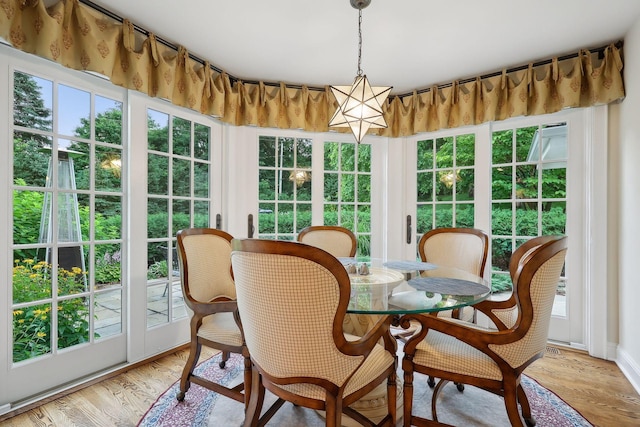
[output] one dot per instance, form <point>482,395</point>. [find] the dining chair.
<point>486,358</point>
<point>461,248</point>
<point>504,313</point>
<point>341,243</point>
<point>338,241</point>
<point>292,300</point>
<point>204,257</point>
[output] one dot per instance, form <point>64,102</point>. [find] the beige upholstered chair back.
<point>509,315</point>
<point>291,298</point>
<point>204,255</point>
<point>338,241</point>
<point>463,248</point>
<point>536,280</point>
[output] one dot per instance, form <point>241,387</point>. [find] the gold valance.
<point>81,38</point>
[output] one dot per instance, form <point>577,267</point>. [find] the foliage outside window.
<point>83,130</point>
<point>347,190</point>
<point>529,191</point>
<point>445,183</point>
<point>179,196</point>
<point>284,186</point>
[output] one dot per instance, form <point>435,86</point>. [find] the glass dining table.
<point>403,287</point>
<point>395,288</point>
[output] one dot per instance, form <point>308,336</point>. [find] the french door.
<point>63,154</point>
<point>87,257</point>
<point>515,179</point>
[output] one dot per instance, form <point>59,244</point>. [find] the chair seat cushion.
<point>443,352</point>
<point>221,328</point>
<point>378,360</point>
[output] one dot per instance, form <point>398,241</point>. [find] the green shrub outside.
<point>32,324</point>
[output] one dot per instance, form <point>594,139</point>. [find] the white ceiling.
<point>407,44</point>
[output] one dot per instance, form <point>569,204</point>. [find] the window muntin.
<point>284,186</point>
<point>347,190</point>
<point>178,196</point>
<point>68,214</point>
<point>445,183</point>
<point>529,191</point>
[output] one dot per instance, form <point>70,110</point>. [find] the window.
<point>529,191</point>
<point>284,187</point>
<point>68,214</point>
<point>179,196</point>
<point>445,183</point>
<point>347,190</point>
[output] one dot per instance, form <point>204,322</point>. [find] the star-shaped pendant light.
<point>360,105</point>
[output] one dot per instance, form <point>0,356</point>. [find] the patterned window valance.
<point>81,38</point>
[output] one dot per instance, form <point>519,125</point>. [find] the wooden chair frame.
<point>488,306</point>
<point>457,313</point>
<point>510,387</point>
<point>305,232</point>
<point>202,309</point>
<point>473,231</point>
<point>334,403</point>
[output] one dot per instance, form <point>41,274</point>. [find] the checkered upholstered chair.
<point>486,358</point>
<point>341,243</point>
<point>204,256</point>
<point>504,313</point>
<point>292,300</point>
<point>338,241</point>
<point>462,248</point>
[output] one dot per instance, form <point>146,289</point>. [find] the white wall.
<point>627,214</point>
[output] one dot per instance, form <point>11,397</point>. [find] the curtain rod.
<point>234,79</point>
<point>598,50</point>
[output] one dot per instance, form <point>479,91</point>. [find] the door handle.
<point>218,221</point>
<point>250,228</point>
<point>409,229</point>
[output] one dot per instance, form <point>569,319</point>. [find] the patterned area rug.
<point>473,407</point>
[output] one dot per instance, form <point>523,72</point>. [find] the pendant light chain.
<point>359,105</point>
<point>359,41</point>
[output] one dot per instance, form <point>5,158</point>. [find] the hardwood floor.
<point>594,387</point>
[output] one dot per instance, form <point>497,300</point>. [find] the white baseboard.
<point>5,408</point>
<point>629,368</point>
<point>612,351</point>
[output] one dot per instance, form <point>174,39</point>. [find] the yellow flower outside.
<point>17,312</point>
<point>41,334</point>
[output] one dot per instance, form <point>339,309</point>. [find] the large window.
<point>445,183</point>
<point>529,192</point>
<point>347,190</point>
<point>284,190</point>
<point>67,281</point>
<point>179,196</point>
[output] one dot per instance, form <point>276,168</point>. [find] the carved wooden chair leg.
<point>223,360</point>
<point>434,398</point>
<point>248,372</point>
<point>431,381</point>
<point>187,371</point>
<point>407,390</point>
<point>511,403</point>
<point>529,419</point>
<point>253,409</point>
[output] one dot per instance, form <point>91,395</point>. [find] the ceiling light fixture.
<point>360,105</point>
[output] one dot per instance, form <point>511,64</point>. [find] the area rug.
<point>473,407</point>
